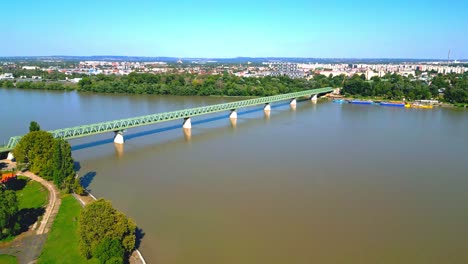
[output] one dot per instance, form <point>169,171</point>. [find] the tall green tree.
<point>100,221</point>
<point>36,148</point>
<point>8,213</point>
<point>109,251</point>
<point>34,126</point>
<point>62,163</point>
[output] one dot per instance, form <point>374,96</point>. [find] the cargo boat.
<point>360,102</point>
<point>394,104</point>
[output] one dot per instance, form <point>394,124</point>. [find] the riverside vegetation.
<point>390,86</point>
<point>397,87</point>
<point>97,233</point>
<point>100,233</point>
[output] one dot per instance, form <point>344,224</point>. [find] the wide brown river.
<point>325,183</point>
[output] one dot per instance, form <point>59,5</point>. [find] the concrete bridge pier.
<point>119,150</point>
<point>10,156</point>
<point>187,134</point>
<point>267,107</point>
<point>187,123</point>
<point>233,122</point>
<point>119,138</point>
<point>293,104</point>
<point>233,114</point>
<point>313,99</point>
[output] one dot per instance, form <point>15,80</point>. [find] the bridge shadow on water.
<point>170,128</point>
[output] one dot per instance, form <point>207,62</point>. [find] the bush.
<point>109,251</point>
<point>100,221</point>
<point>77,188</point>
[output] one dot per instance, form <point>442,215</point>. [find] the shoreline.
<point>381,99</point>
<point>441,104</point>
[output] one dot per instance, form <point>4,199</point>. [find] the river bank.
<point>382,99</point>
<point>28,246</point>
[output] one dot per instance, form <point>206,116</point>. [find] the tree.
<point>77,188</point>
<point>109,251</point>
<point>36,148</point>
<point>8,213</point>
<point>100,221</point>
<point>34,126</point>
<point>62,164</point>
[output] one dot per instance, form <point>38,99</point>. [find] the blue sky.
<point>294,28</point>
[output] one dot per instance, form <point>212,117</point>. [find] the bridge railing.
<point>122,124</point>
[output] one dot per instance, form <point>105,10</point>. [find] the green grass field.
<point>32,199</point>
<point>7,259</point>
<point>62,244</point>
<point>33,195</point>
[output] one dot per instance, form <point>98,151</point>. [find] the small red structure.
<point>7,176</point>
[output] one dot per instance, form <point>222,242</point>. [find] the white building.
<point>6,76</point>
<point>29,67</point>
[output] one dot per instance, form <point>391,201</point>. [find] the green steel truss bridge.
<point>123,124</point>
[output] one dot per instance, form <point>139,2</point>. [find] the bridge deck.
<point>122,124</point>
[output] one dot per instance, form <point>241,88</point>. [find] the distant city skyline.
<point>218,29</point>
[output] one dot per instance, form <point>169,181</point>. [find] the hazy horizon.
<point>239,57</point>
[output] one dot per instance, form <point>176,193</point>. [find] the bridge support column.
<point>10,156</point>
<point>187,123</point>
<point>233,122</point>
<point>187,134</point>
<point>119,150</point>
<point>119,138</point>
<point>293,103</point>
<point>313,98</point>
<point>267,107</point>
<point>233,114</point>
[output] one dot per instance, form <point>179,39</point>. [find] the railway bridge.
<point>119,126</point>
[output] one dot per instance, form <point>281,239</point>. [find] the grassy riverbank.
<point>62,245</point>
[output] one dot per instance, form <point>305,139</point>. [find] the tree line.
<point>397,87</point>
<point>38,85</point>
<point>390,86</point>
<point>194,84</point>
